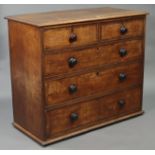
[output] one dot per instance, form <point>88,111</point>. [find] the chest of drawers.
<point>74,71</point>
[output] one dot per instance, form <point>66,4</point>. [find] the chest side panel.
<point>25,56</point>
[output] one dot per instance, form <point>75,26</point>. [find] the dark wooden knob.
<point>123,52</point>
<point>121,103</point>
<point>72,88</point>
<point>72,62</point>
<point>72,38</point>
<point>123,30</point>
<point>122,76</point>
<point>74,117</point>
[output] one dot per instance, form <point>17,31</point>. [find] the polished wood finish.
<point>74,16</point>
<point>96,125</point>
<point>111,30</point>
<point>57,91</point>
<point>26,77</point>
<point>91,57</point>
<point>103,108</point>
<point>74,71</point>
<point>59,38</point>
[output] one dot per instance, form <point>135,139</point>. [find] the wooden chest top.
<point>73,16</point>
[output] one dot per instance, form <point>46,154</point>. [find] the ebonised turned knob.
<point>123,30</point>
<point>72,88</point>
<point>74,117</point>
<point>122,76</point>
<point>72,62</point>
<point>121,103</point>
<point>122,52</point>
<point>72,38</point>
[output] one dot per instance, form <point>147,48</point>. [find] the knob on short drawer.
<point>121,103</point>
<point>72,38</point>
<point>122,76</point>
<point>123,52</point>
<point>72,88</point>
<point>123,30</point>
<point>72,62</point>
<point>74,117</point>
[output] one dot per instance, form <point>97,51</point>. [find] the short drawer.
<point>100,81</point>
<point>123,28</point>
<point>82,114</point>
<point>69,36</point>
<point>72,61</point>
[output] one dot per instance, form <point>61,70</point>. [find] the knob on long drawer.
<point>122,76</point>
<point>72,88</point>
<point>74,117</point>
<point>122,52</point>
<point>121,103</point>
<point>72,62</point>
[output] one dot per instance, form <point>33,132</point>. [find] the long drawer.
<point>100,81</point>
<point>71,61</point>
<point>105,108</point>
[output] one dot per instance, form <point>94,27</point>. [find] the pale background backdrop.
<point>137,133</point>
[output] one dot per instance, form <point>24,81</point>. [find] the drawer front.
<point>118,29</point>
<point>71,61</point>
<point>105,108</point>
<point>70,36</point>
<point>58,91</point>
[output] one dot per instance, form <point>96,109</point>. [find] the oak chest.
<point>74,71</point>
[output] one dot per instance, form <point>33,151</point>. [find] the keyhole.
<point>97,73</point>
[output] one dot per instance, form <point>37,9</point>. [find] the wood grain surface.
<point>59,38</point>
<point>94,82</point>
<point>26,77</point>
<point>103,108</point>
<point>111,30</point>
<point>74,16</point>
<point>91,57</point>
